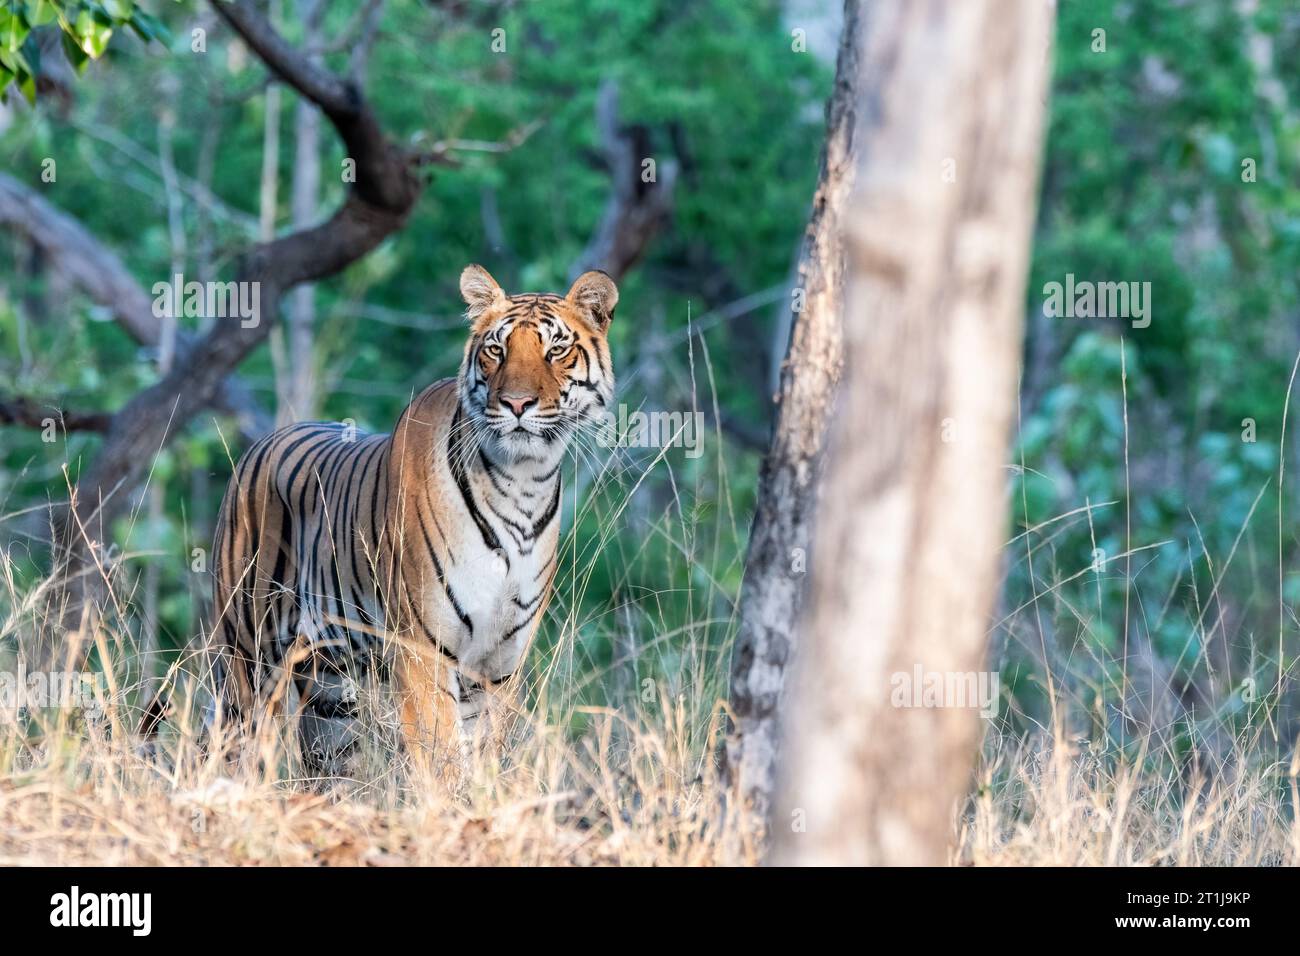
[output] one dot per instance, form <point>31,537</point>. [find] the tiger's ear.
<point>594,295</point>
<point>479,290</point>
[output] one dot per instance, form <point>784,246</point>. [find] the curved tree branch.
<point>30,413</point>
<point>385,190</point>
<point>383,179</point>
<point>387,185</point>
<point>98,271</point>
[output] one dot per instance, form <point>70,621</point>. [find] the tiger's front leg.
<point>425,685</point>
<point>486,711</point>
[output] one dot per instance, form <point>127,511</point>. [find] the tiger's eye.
<point>559,352</point>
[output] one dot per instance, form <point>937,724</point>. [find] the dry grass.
<point>1050,801</point>
<point>625,776</point>
<point>636,787</point>
<point>76,796</point>
<point>599,766</point>
<point>81,798</point>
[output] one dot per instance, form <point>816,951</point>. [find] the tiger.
<point>430,551</point>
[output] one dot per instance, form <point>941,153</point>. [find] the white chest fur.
<point>499,592</point>
<point>502,565</point>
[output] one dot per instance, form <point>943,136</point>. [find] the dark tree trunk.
<point>779,540</point>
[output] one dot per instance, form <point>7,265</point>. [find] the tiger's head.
<point>537,365</point>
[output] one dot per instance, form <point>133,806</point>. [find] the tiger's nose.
<point>519,403</point>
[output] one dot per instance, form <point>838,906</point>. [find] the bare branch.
<point>638,209</point>
<point>18,410</point>
<point>439,154</point>
<point>98,271</point>
<point>335,96</point>
<point>384,177</point>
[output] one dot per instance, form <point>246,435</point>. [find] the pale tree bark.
<point>268,191</point>
<point>779,539</point>
<point>150,624</point>
<point>914,505</point>
<point>298,382</point>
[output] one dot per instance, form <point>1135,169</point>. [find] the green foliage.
<point>1171,159</point>
<point>86,27</point>
<point>713,87</point>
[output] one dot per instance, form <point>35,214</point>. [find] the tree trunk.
<point>268,192</point>
<point>151,623</point>
<point>300,395</point>
<point>776,562</point>
<point>914,505</point>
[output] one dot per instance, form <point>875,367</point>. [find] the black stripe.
<point>458,474</point>
<point>551,511</point>
<point>442,579</point>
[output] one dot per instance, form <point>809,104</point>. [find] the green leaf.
<point>41,13</point>
<point>75,54</point>
<point>14,61</point>
<point>149,27</point>
<point>93,33</point>
<point>119,10</point>
<point>14,30</point>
